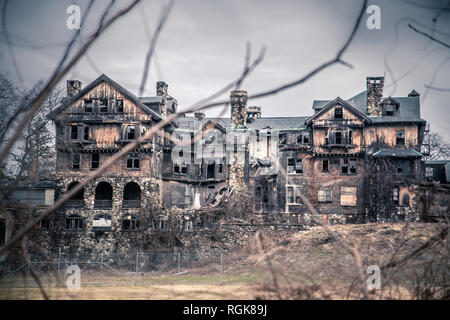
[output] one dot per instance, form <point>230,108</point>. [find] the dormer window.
<point>389,109</point>
<point>338,113</point>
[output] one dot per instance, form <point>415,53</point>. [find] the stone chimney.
<point>161,91</point>
<point>73,88</point>
<point>238,101</point>
<point>374,95</point>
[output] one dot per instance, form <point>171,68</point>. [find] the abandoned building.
<point>324,158</point>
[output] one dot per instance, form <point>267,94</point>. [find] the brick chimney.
<point>374,95</point>
<point>161,91</point>
<point>238,101</point>
<point>73,88</point>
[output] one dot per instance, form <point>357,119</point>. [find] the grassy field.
<point>308,264</point>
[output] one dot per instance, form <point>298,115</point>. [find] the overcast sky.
<point>202,48</point>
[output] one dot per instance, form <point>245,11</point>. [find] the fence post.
<point>101,270</point>
<point>58,276</point>
<point>179,261</point>
<point>137,261</point>
<point>221,266</point>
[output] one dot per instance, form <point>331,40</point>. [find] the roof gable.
<point>344,104</point>
<point>103,78</point>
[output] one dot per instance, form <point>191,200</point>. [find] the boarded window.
<point>348,196</point>
<point>101,222</point>
<point>324,195</point>
<point>49,197</point>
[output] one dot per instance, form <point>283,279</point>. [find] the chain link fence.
<point>116,269</point>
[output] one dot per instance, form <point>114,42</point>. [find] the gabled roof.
<point>398,153</point>
<point>116,86</point>
<point>345,104</point>
<point>408,111</point>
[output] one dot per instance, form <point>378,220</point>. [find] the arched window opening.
<point>76,201</point>
<point>131,195</point>
<point>103,195</point>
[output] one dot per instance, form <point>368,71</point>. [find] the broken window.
<point>76,161</point>
<point>325,165</point>
<point>290,194</point>
<point>180,167</point>
<point>95,160</point>
<point>74,222</point>
<point>119,106</point>
<point>133,161</point>
<point>103,103</point>
<point>103,195</point>
<point>405,200</point>
<point>131,195</point>
<point>389,109</point>
<point>283,138</point>
<point>87,105</point>
<point>350,137</point>
<point>130,223</point>
<point>188,225</point>
<point>395,192</point>
<point>338,137</point>
<point>210,172</point>
<point>327,137</point>
<point>77,200</point>
<point>306,137</point>
<point>86,133</point>
<point>338,113</point>
<point>348,166</point>
<point>74,132</point>
<point>2,232</point>
<point>400,137</point>
<point>324,195</point>
<point>295,166</point>
<point>348,196</point>
<point>130,132</point>
<point>293,195</point>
